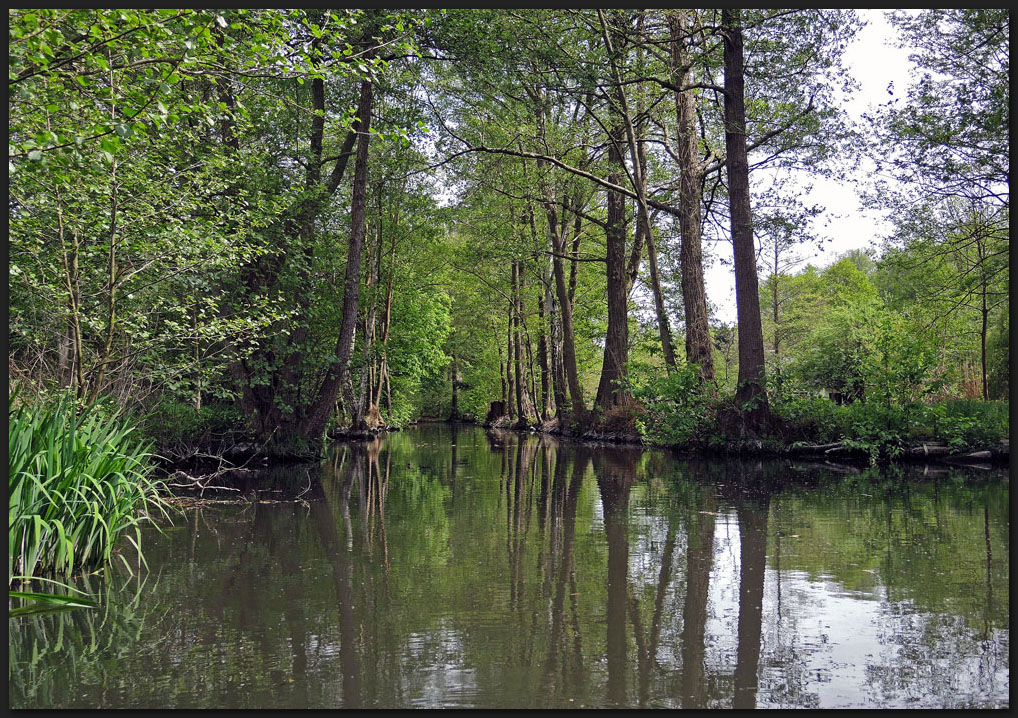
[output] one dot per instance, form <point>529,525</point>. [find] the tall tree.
<point>751,347</point>
<point>339,373</point>
<point>691,177</point>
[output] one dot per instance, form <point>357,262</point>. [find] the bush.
<point>78,483</point>
<point>675,407</point>
<point>171,423</point>
<point>963,423</point>
<point>814,418</point>
<point>880,430</point>
<point>884,430</point>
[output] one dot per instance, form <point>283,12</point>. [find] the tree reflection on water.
<point>449,566</point>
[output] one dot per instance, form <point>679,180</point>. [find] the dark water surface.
<point>453,567</point>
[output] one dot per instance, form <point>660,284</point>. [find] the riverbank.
<point>866,436</point>
<point>215,467</point>
<point>969,433</point>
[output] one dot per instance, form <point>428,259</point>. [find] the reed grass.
<point>79,483</point>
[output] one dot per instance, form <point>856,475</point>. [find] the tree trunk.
<point>197,358</point>
<point>454,413</point>
<point>365,401</point>
<point>643,223</point>
<point>260,400</point>
<point>339,375</point>
<point>510,361</point>
<point>664,331</point>
<point>113,278</point>
<point>699,349</point>
<point>558,250</point>
<point>544,359</point>
<point>646,229</point>
<point>71,277</point>
<point>545,349</point>
<point>558,372</point>
<point>985,316</point>
<point>982,344</point>
<point>383,371</point>
<point>530,365</point>
<point>574,252</point>
<point>524,406</point>
<point>64,361</point>
<point>504,396</point>
<point>747,298</point>
<point>611,391</point>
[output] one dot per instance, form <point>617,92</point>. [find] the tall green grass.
<point>78,484</point>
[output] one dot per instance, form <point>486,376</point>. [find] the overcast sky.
<point>875,62</point>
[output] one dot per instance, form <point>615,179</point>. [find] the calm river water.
<point>453,567</point>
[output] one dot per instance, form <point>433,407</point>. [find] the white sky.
<point>875,62</point>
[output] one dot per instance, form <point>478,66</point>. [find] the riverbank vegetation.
<point>267,226</point>
<point>79,484</point>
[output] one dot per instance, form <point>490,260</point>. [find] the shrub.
<point>675,407</point>
<point>172,423</point>
<point>815,418</point>
<point>884,430</point>
<point>963,423</point>
<point>880,430</point>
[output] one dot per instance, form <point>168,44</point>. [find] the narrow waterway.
<point>454,567</point>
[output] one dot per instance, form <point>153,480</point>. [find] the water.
<point>444,567</point>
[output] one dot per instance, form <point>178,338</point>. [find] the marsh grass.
<point>79,482</point>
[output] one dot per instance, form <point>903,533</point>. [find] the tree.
<point>751,350</point>
<point>950,136</point>
<point>946,145</point>
<point>953,262</point>
<point>103,102</point>
<point>691,178</point>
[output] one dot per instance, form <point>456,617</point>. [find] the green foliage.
<point>46,602</point>
<point>675,407</point>
<point>963,424</point>
<point>421,325</point>
<point>899,363</point>
<point>832,357</point>
<point>863,350</point>
<point>78,484</point>
<point>170,423</point>
<point>156,189</point>
<point>176,237</point>
<point>950,136</point>
<point>879,430</point>
<point>999,349</point>
<point>816,418</point>
<point>883,431</point>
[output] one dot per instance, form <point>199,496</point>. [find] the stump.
<point>495,412</point>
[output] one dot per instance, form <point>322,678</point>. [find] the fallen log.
<point>931,449</point>
<point>811,449</point>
